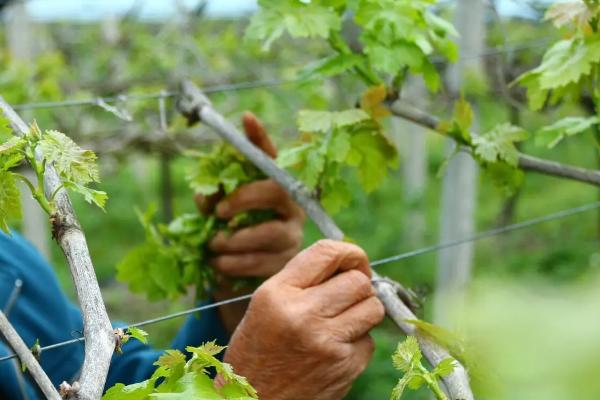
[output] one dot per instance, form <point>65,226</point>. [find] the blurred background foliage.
<point>128,56</point>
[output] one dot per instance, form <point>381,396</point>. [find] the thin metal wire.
<point>488,234</point>
<point>147,322</point>
<point>95,101</point>
<point>483,235</point>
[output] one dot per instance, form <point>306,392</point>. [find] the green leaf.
<point>331,66</point>
<point>72,163</point>
<point>171,359</point>
<point>138,334</point>
<point>10,199</point>
<point>336,195</point>
<point>407,354</point>
<point>499,144</point>
<point>91,196</point>
<point>191,386</point>
<point>339,146</point>
<point>372,154</point>
<point>567,62</point>
<point>444,368</point>
<point>294,155</point>
<point>401,386</point>
<point>324,121</point>
<point>222,167</point>
<point>133,270</point>
<point>5,129</point>
<point>12,145</point>
<point>136,391</point>
<point>300,20</point>
<point>562,14</point>
<point>551,135</point>
<point>312,168</point>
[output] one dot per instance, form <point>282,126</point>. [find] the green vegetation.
<point>348,158</point>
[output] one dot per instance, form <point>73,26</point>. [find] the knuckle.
<point>378,311</point>
<point>359,282</point>
<point>325,245</point>
<point>324,347</point>
<point>271,303</point>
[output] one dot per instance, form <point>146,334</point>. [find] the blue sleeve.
<point>42,311</point>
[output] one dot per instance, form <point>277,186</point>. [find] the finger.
<point>257,134</point>
<point>358,320</point>
<point>321,261</point>
<point>262,265</point>
<point>270,236</point>
<point>339,293</point>
<point>260,195</point>
<point>206,204</point>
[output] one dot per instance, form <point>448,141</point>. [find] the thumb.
<point>257,134</point>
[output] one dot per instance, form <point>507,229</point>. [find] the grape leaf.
<point>299,19</point>
<point>324,121</point>
<point>331,66</point>
<point>411,380</point>
<point>552,135</point>
<point>400,35</point>
<point>133,270</point>
<point>221,168</point>
<point>175,378</point>
<point>499,144</point>
<point>72,163</point>
<point>5,129</point>
<point>562,14</point>
<point>313,168</point>
<point>10,200</point>
<point>11,146</point>
<point>567,62</point>
<point>91,196</point>
<point>171,359</point>
<point>407,354</point>
<point>292,156</point>
<point>372,154</point>
<point>136,391</point>
<point>459,127</point>
<point>444,368</point>
<point>138,334</point>
<point>407,359</point>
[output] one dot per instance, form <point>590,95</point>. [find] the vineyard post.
<point>196,107</point>
<point>459,187</point>
<point>97,328</point>
<point>20,31</point>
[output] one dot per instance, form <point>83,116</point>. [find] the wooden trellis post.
<point>20,40</point>
<point>459,193</point>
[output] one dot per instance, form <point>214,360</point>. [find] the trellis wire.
<point>440,246</point>
<point>98,101</point>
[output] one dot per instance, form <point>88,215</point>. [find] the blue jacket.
<point>41,310</point>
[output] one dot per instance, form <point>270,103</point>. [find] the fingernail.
<point>223,208</point>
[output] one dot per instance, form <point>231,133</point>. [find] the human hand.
<point>260,250</point>
<point>306,332</point>
<point>256,251</point>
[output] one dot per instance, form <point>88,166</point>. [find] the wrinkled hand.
<point>306,332</point>
<point>260,250</point>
